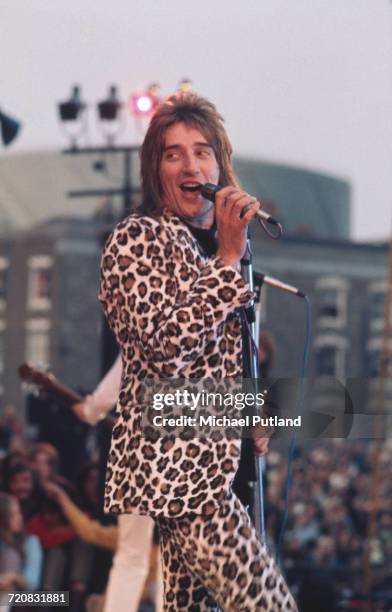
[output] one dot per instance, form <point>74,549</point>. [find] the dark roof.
<point>33,188</point>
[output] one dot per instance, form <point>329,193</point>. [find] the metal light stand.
<point>249,344</point>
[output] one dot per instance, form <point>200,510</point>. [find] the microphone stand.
<point>249,345</point>
<point>249,341</point>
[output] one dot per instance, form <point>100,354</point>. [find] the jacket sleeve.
<point>101,401</point>
<point>142,292</point>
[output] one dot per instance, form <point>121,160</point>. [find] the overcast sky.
<point>303,82</point>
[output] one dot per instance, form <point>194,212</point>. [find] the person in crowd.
<point>20,554</point>
<point>87,489</point>
<point>172,294</point>
<point>45,461</point>
<point>21,482</point>
<point>12,430</point>
<point>10,459</point>
<point>67,559</point>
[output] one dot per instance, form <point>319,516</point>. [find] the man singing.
<point>172,293</point>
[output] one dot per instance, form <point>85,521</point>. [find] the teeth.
<point>190,186</point>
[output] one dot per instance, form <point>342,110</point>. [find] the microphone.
<point>275,282</point>
<point>209,191</point>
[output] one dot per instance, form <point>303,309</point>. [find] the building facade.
<point>49,313</point>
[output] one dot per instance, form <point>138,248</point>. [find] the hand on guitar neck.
<point>46,381</point>
<point>88,412</point>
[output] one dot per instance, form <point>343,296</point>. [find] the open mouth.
<point>190,187</point>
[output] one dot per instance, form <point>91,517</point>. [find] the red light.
<point>143,103</point>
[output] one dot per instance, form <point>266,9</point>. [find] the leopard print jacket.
<point>174,312</point>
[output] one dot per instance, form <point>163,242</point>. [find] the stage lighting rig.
<point>110,115</point>
<point>73,115</point>
<point>185,85</point>
<point>144,103</point>
<point>71,109</point>
<point>109,109</point>
<point>9,128</point>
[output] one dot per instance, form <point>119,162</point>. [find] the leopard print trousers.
<point>219,560</point>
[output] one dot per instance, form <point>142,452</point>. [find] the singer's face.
<point>188,161</point>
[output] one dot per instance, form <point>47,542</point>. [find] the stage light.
<point>9,128</point>
<point>185,85</point>
<point>145,103</point>
<point>72,109</point>
<point>110,115</point>
<point>73,116</point>
<point>109,109</point>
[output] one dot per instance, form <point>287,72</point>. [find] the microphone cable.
<point>300,401</point>
<point>278,225</point>
<point>289,478</point>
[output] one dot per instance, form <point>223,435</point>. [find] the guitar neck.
<point>45,381</point>
<point>65,392</point>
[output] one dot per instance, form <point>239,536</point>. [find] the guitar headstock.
<point>33,375</point>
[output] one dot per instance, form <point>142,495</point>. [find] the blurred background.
<point>305,89</point>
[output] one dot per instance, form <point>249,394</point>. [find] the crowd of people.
<point>45,519</point>
<point>330,504</point>
<point>49,526</point>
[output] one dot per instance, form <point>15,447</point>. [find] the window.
<point>38,341</point>
<point>330,356</point>
<point>377,307</point>
<point>39,282</point>
<point>332,293</point>
<point>372,363</point>
<point>328,299</point>
<point>326,361</point>
<point>377,295</point>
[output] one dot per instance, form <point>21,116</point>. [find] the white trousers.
<point>130,565</point>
